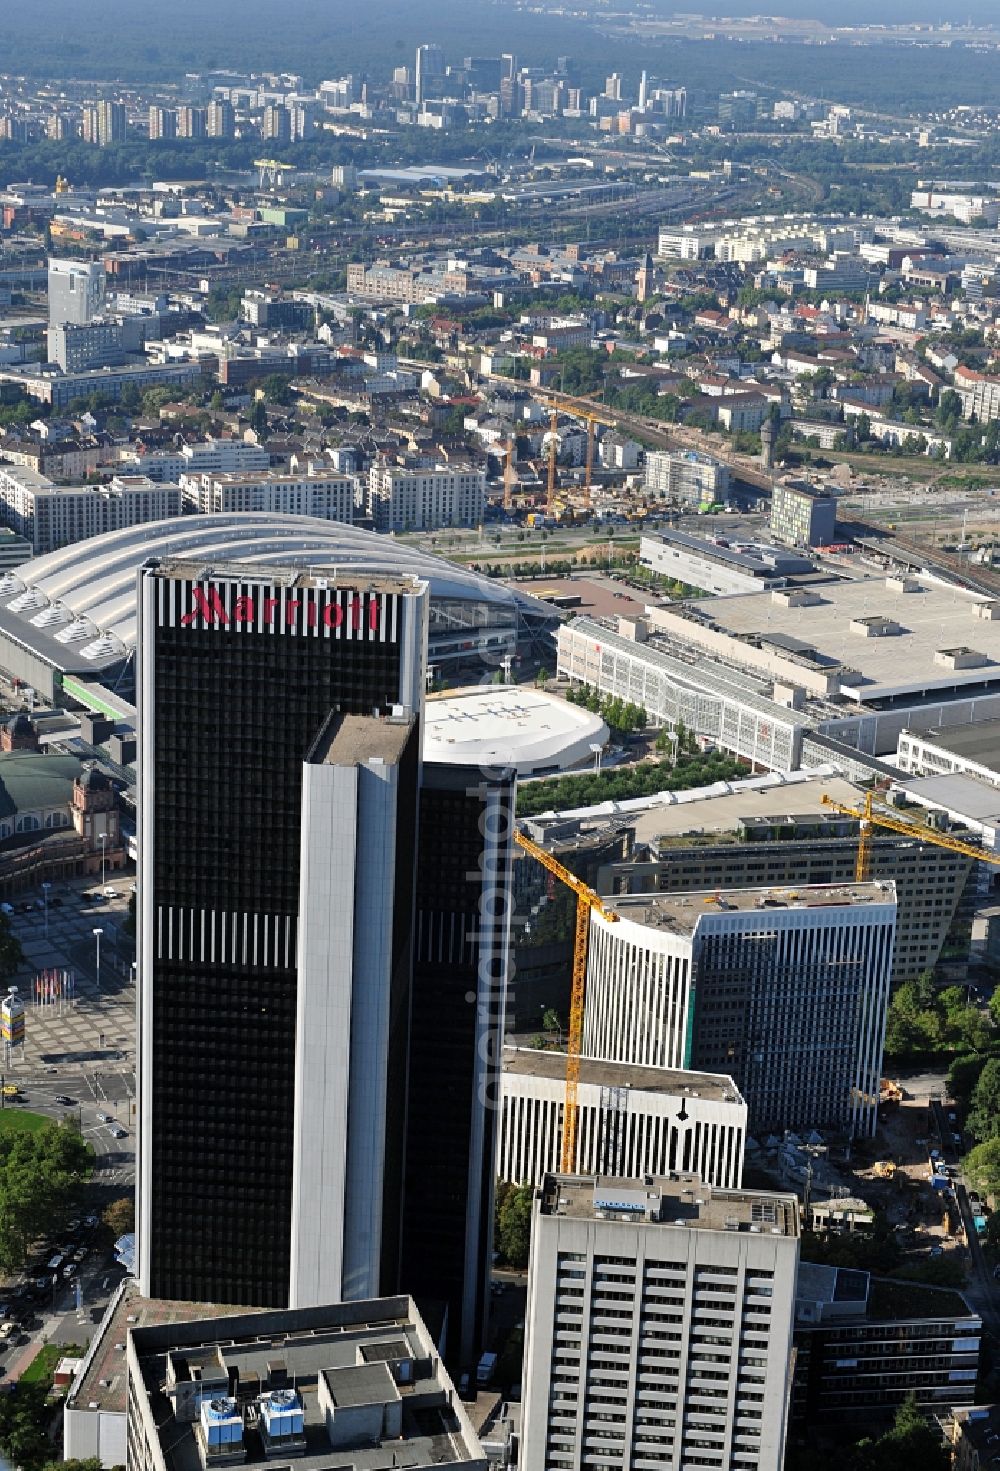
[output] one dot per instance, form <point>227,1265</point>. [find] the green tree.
<point>277,389</point>
<point>963,1075</point>
<point>119,1217</point>
<point>982,1166</point>
<point>552,1021</point>
<point>92,1463</point>
<point>513,1222</point>
<point>994,1007</point>
<point>984,1115</point>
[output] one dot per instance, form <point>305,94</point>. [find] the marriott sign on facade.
<point>316,612</point>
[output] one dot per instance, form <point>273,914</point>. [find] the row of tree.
<point>621,783</point>
<point>621,716</point>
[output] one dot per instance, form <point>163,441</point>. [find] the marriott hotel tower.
<point>288,1025</point>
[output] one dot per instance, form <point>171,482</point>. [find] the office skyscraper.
<point>429,71</point>
<point>356,917</point>
<point>243,782</point>
<point>786,991</point>
<point>459,974</point>
<point>323,950</point>
<point>659,1325</point>
<point>77,291</point>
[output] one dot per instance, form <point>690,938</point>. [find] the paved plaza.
<point>89,1036</point>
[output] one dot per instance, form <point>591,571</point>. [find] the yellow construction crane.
<point>870,816</point>
<point>586,900</point>
<point>272,169</point>
<point>569,406</point>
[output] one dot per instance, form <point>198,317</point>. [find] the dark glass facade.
<point>458,957</point>
<point>235,712</point>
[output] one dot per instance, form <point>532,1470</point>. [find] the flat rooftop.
<point>510,725</point>
<point>966,797</point>
<point>679,913</point>
<point>709,812</point>
<point>670,1200</point>
<point>102,1384</point>
<point>531,1062</point>
<point>978,742</point>
<point>297,578</point>
<point>350,740</point>
<point>931,618</point>
<point>371,1355</point>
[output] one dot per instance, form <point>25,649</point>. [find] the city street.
<point>78,1061</point>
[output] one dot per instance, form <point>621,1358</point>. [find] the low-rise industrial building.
<point>713,565</point>
<point>633,1121</point>
<point>973,749</point>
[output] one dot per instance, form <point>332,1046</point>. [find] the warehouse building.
<point>972,749</point>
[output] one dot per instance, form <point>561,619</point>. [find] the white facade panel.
<point>687,1123</point>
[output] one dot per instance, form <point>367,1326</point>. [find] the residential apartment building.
<point>686,476</point>
<point>331,497</point>
<point>162,124</point>
<point>51,516</point>
<point>400,282</point>
<point>631,1121</point>
<point>422,497</point>
<point>785,993</point>
<point>659,1325</point>
<point>221,119</point>
<point>60,389</point>
<point>78,346</point>
<point>802,515</point>
<point>863,1346</point>
<point>205,457</point>
<point>979,392</point>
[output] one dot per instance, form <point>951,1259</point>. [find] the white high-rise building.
<point>786,990</point>
<point>77,291</point>
<point>659,1325</point>
<point>631,1121</point>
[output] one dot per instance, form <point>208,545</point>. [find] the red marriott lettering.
<point>341,614</point>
